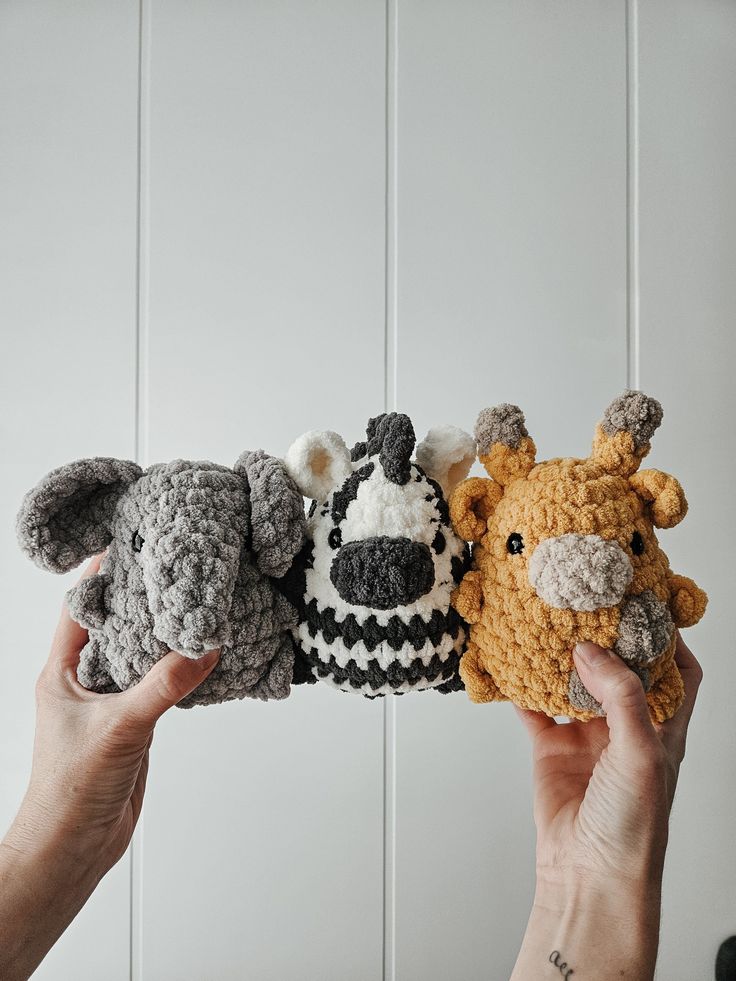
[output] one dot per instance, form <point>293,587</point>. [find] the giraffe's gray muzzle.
<point>580,572</point>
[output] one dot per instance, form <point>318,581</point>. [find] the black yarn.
<point>349,491</point>
<point>382,572</point>
<point>397,448</point>
<point>391,436</point>
<point>293,585</point>
<point>440,502</point>
<point>726,960</point>
<point>376,676</point>
<point>460,566</point>
<point>396,633</point>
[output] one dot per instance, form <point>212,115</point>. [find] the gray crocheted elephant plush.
<point>191,549</point>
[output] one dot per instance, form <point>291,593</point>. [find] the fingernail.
<point>210,658</point>
<point>591,655</point>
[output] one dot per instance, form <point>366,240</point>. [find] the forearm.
<point>601,932</point>
<point>43,885</point>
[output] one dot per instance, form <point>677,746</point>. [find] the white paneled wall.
<point>68,95</point>
<point>687,354</point>
<point>265,181</point>
<point>511,286</point>
<point>224,223</point>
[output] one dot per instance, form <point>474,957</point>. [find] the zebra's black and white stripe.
<point>373,583</point>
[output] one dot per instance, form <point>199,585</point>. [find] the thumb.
<point>620,692</point>
<point>168,681</point>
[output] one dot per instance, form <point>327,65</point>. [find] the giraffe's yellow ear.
<point>505,448</point>
<point>663,495</point>
<point>471,504</point>
<point>622,438</point>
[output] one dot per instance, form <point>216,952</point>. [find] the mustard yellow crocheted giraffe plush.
<point>565,552</point>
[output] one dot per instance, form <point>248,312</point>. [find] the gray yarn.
<point>633,412</point>
<point>502,424</point>
<point>580,572</point>
<point>580,697</point>
<point>646,629</point>
<point>190,547</point>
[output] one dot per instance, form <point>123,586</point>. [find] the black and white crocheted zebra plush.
<point>373,582</point>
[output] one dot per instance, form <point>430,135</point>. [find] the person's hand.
<point>603,791</point>
<point>88,777</point>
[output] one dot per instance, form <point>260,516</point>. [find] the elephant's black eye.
<point>515,543</point>
<point>637,543</point>
<point>137,542</point>
<point>334,539</point>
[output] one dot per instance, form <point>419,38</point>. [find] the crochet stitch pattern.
<point>191,549</point>
<point>373,583</point>
<point>566,552</point>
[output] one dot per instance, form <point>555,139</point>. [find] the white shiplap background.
<point>224,223</point>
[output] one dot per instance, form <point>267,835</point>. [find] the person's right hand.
<point>603,791</point>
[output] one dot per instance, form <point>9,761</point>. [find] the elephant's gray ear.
<point>67,516</point>
<point>278,523</point>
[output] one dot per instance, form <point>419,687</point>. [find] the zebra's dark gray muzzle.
<point>382,572</point>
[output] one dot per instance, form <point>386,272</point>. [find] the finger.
<point>534,722</point>
<point>674,730</point>
<point>168,681</point>
<point>619,691</point>
<point>69,637</point>
<point>692,675</point>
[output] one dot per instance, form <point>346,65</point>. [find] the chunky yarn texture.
<point>566,552</point>
<point>373,583</point>
<point>191,551</point>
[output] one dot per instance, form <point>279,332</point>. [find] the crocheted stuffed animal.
<point>373,583</point>
<point>567,552</point>
<point>191,547</point>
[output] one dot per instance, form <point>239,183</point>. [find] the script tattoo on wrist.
<point>556,958</point>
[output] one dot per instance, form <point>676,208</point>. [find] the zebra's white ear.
<point>318,462</point>
<point>446,454</point>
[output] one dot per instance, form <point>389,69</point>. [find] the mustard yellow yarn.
<point>520,648</point>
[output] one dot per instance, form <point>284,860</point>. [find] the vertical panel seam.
<point>141,409</point>
<point>390,399</point>
<point>633,325</point>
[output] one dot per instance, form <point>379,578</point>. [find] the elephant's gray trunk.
<point>190,578</point>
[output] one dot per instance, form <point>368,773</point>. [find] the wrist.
<point>596,926</point>
<point>35,841</point>
<point>43,885</point>
<point>620,895</point>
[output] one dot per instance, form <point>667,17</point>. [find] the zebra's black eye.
<point>637,544</point>
<point>515,543</point>
<point>137,542</point>
<point>334,539</point>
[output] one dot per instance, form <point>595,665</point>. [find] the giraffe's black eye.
<point>137,542</point>
<point>637,543</point>
<point>515,543</point>
<point>334,539</point>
